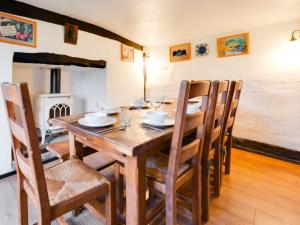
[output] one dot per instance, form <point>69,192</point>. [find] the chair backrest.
<point>23,134</point>
<point>185,122</point>
<point>215,117</point>
<point>231,105</point>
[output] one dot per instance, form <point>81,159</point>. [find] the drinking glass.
<point>100,105</point>
<point>125,117</point>
<point>155,103</point>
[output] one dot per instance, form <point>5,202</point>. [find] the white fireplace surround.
<point>49,106</point>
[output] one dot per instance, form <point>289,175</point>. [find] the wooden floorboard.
<point>259,191</point>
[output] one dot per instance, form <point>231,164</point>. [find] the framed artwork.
<point>233,45</point>
<point>16,30</point>
<point>127,53</point>
<point>202,49</point>
<point>71,34</point>
<point>180,52</point>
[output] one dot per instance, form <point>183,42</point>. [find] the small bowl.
<point>192,108</point>
<point>157,116</point>
<point>111,109</point>
<point>95,119</point>
<point>96,114</point>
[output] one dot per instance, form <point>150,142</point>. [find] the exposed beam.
<point>56,59</point>
<point>33,12</point>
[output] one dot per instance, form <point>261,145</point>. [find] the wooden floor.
<point>260,191</point>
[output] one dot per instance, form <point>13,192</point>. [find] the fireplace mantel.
<point>56,59</point>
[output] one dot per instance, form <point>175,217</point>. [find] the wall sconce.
<point>294,36</point>
<point>145,56</point>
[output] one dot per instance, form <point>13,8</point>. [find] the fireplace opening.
<point>53,81</point>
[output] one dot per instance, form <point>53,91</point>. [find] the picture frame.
<point>180,52</point>
<point>71,34</point>
<point>127,53</point>
<point>18,31</point>
<point>202,49</point>
<point>233,45</point>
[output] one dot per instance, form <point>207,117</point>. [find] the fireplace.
<point>53,105</point>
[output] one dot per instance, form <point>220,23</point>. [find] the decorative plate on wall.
<point>202,49</point>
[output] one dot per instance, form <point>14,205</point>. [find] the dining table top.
<point>129,141</point>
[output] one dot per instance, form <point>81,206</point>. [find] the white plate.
<point>168,122</point>
<point>139,106</point>
<point>87,123</point>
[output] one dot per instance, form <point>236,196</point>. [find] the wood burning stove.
<point>53,105</point>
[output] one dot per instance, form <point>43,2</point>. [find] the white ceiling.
<point>156,22</point>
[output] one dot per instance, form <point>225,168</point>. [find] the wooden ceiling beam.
<point>56,59</point>
<point>33,12</point>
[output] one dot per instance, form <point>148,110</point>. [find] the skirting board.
<point>269,150</point>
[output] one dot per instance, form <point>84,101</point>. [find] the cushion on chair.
<point>157,167</point>
<point>70,180</point>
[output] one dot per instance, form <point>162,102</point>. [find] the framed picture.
<point>16,30</point>
<point>233,45</point>
<point>180,52</point>
<point>71,34</point>
<point>202,49</point>
<point>127,53</point>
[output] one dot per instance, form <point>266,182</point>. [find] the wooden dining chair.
<point>212,145</point>
<point>229,118</point>
<point>167,173</point>
<point>60,188</point>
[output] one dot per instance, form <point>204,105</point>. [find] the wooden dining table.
<point>130,146</point>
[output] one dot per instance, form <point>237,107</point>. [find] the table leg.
<point>76,148</point>
<point>135,170</point>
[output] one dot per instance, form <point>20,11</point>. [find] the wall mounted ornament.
<point>180,52</point>
<point>127,53</point>
<point>16,30</point>
<point>233,45</point>
<point>202,49</point>
<point>71,34</point>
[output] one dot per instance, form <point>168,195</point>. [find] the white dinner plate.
<point>145,105</point>
<point>168,122</point>
<point>88,123</point>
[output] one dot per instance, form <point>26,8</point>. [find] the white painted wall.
<point>269,109</point>
<point>119,76</point>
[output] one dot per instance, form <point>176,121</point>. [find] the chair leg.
<point>205,198</point>
<point>61,221</point>
<point>196,198</point>
<point>216,174</point>
<point>222,163</point>
<point>171,214</point>
<point>43,220</point>
<point>23,205</point>
<point>119,182</point>
<point>228,155</point>
<point>110,205</point>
